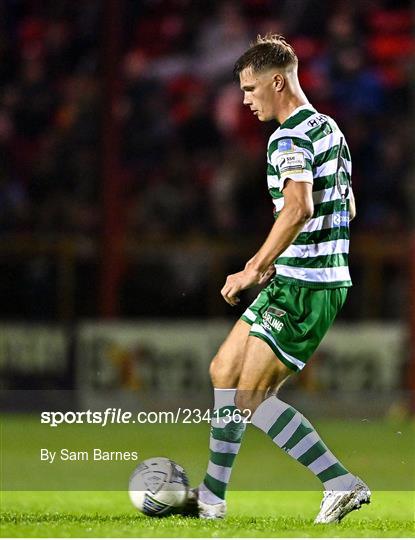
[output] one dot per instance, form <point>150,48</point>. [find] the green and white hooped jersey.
<point>309,147</point>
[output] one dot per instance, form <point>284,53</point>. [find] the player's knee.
<point>214,370</point>
<point>247,401</point>
<point>222,373</point>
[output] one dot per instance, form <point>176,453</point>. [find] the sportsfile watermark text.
<point>113,415</point>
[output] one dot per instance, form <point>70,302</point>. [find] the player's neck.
<point>292,102</point>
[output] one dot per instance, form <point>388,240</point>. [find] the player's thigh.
<point>226,366</point>
<point>262,372</point>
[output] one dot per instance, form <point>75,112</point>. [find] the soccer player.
<point>308,171</point>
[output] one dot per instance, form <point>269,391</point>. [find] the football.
<point>158,487</point>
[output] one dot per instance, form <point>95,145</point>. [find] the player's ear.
<point>279,82</point>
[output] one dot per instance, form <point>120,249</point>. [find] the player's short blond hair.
<point>271,50</point>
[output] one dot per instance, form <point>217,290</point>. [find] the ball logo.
<point>153,480</point>
<point>152,507</point>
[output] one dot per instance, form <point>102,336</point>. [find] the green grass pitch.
<point>381,452</point>
<point>251,514</point>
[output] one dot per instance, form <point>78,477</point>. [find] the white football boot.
<point>211,511</point>
<point>337,504</point>
<point>196,508</point>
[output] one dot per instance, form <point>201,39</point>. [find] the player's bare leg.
<point>262,373</point>
<point>226,365</point>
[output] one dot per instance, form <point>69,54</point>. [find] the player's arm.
<point>298,209</point>
<point>352,205</point>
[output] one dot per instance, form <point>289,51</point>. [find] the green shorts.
<point>293,320</point>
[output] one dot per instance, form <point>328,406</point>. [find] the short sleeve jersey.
<point>309,147</point>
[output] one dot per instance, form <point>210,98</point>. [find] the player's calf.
<point>247,401</point>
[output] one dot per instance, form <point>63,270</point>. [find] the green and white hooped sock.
<point>225,441</point>
<point>295,435</point>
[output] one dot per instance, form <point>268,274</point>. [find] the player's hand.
<point>238,282</point>
<point>267,275</point>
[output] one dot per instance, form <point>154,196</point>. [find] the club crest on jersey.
<point>285,145</point>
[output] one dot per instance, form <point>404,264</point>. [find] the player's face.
<point>259,93</point>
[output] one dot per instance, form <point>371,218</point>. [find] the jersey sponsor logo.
<point>341,219</point>
<point>317,120</point>
<point>289,162</point>
<point>269,321</point>
<point>285,145</point>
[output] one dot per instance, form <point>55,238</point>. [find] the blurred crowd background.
<point>190,174</point>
